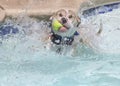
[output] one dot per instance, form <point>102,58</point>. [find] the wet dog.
<point>64,32</point>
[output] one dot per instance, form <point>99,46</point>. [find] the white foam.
<point>108,41</point>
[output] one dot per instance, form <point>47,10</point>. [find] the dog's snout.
<point>64,20</point>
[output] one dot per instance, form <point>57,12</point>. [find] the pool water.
<point>25,62</point>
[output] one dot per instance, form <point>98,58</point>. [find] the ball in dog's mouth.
<point>57,26</point>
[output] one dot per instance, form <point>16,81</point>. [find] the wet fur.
<point>72,20</point>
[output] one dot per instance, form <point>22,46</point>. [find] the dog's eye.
<point>70,16</point>
<point>60,15</point>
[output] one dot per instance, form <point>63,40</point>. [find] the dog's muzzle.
<point>63,20</point>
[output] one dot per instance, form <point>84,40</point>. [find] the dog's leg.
<point>74,51</point>
<point>58,50</point>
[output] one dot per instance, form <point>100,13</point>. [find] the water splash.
<point>25,61</point>
<point>108,20</point>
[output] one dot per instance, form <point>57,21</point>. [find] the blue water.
<point>21,66</point>
<point>25,62</point>
<point>101,9</point>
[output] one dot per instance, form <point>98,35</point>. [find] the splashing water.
<point>25,62</point>
<point>107,18</point>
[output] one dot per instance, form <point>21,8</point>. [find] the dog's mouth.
<point>66,27</point>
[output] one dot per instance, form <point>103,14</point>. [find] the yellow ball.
<point>56,25</point>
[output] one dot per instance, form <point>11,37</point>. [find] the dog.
<point>66,36</point>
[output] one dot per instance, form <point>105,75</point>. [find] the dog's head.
<point>67,18</point>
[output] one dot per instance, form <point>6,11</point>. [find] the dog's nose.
<point>64,20</point>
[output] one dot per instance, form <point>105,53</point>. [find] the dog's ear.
<point>78,20</point>
<point>52,17</point>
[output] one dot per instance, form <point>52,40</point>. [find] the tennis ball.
<point>56,25</point>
